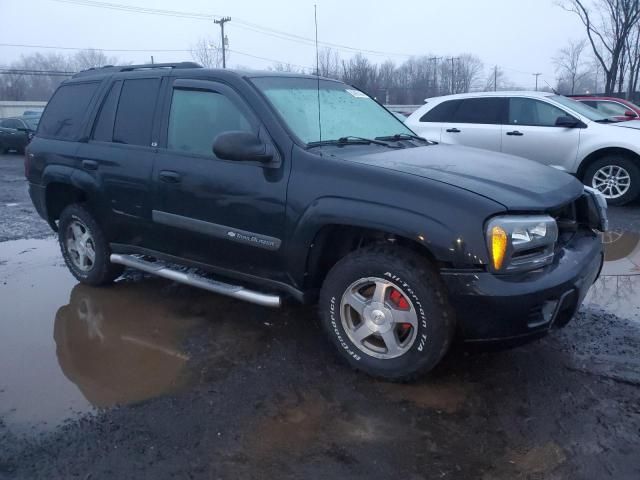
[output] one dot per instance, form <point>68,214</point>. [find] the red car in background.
<point>616,108</point>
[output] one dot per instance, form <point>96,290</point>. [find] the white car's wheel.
<point>616,177</point>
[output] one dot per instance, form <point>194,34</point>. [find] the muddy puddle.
<point>67,349</point>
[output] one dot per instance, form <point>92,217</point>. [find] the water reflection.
<point>121,344</point>
<point>618,288</point>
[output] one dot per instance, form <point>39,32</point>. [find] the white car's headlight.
<point>521,242</point>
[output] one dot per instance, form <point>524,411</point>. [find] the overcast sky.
<point>520,36</point>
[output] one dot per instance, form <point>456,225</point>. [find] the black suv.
<point>263,185</point>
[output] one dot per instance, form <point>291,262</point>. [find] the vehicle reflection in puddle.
<point>121,344</point>
<point>67,348</point>
<point>618,289</point>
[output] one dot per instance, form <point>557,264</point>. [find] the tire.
<point>420,291</point>
<point>628,183</point>
<point>89,264</point>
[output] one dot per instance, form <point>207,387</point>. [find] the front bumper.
<point>501,307</point>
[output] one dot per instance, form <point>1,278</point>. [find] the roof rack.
<point>131,68</point>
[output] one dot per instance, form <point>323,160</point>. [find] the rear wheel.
<point>84,247</point>
<point>386,311</point>
<point>616,177</point>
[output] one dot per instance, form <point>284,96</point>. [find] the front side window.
<point>62,119</point>
<point>480,110</point>
<point>11,123</point>
<point>136,107</point>
<point>343,110</point>
<point>527,111</point>
<point>197,117</point>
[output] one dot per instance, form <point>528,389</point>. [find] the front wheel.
<point>386,311</point>
<point>616,177</point>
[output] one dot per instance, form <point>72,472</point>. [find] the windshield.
<point>344,111</point>
<point>579,107</point>
<point>32,123</point>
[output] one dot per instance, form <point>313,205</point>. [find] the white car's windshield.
<point>345,112</point>
<point>581,108</point>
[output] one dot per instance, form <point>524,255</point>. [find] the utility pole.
<point>453,75</point>
<point>536,75</point>
<point>151,59</point>
<point>221,22</point>
<point>495,78</point>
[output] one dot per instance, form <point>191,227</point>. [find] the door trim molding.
<point>232,234</point>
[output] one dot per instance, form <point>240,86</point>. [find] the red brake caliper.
<point>401,303</point>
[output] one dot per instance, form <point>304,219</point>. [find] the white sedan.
<point>551,129</point>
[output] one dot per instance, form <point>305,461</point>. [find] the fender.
<point>445,244</point>
<point>78,179</point>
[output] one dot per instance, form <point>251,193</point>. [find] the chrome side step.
<point>162,270</point>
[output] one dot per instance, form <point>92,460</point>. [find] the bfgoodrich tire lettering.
<point>99,270</point>
<point>410,278</point>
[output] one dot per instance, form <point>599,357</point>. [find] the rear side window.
<point>135,111</point>
<point>11,123</point>
<point>479,110</point>
<point>62,119</point>
<point>103,130</point>
<point>442,113</point>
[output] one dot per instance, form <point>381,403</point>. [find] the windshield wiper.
<point>403,136</point>
<point>350,140</point>
<point>607,120</point>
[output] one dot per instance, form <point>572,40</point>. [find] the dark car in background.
<point>616,108</point>
<point>17,132</point>
<point>12,139</point>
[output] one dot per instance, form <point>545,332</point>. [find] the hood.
<point>515,182</point>
<point>635,124</point>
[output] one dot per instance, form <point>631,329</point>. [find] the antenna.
<point>552,89</point>
<point>315,18</point>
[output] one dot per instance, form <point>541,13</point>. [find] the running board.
<point>162,270</point>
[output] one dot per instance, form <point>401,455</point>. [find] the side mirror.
<point>567,121</point>
<point>630,113</point>
<point>242,146</point>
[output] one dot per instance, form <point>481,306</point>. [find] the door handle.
<point>89,165</point>
<point>453,130</point>
<point>515,133</point>
<point>170,176</point>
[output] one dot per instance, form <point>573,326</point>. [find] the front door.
<point>531,133</point>
<point>229,214</point>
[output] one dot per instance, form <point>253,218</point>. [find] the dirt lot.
<point>149,379</point>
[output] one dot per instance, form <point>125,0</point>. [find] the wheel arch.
<point>63,187</point>
<point>602,152</point>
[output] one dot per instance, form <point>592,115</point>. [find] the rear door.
<point>476,122</point>
<point>530,132</point>
<point>120,154</point>
<point>219,212</point>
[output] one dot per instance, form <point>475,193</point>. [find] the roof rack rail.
<point>131,68</point>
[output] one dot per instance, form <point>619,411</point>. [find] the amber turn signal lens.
<point>498,246</point>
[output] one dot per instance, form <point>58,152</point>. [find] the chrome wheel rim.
<point>613,181</point>
<point>379,318</point>
<point>80,246</point>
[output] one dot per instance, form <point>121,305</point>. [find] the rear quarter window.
<point>62,119</point>
<point>443,112</point>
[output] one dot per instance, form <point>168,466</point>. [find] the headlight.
<point>519,242</point>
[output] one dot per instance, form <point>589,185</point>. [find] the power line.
<point>240,23</point>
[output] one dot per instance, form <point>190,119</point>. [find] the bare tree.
<point>285,67</point>
<point>570,66</point>
<point>91,58</point>
<point>633,54</point>
<point>496,80</point>
<point>208,53</point>
<point>329,63</point>
<point>608,24</point>
<point>468,70</point>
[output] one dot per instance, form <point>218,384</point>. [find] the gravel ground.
<point>149,379</point>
